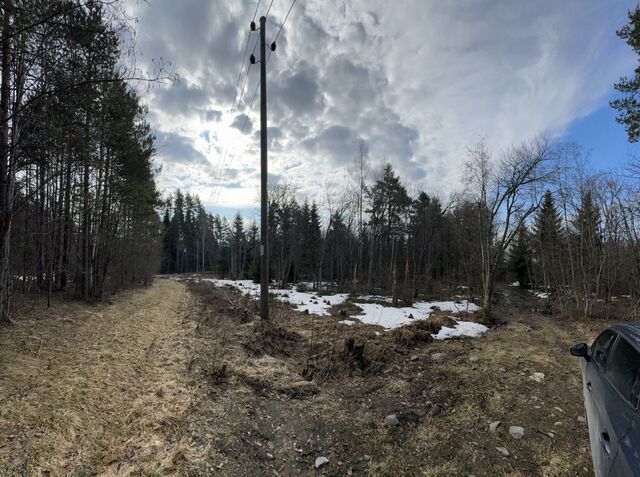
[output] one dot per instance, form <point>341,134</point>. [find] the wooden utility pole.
<point>264,226</point>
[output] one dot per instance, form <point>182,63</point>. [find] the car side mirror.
<point>581,350</point>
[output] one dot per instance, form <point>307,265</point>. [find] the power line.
<point>283,22</point>
<point>226,169</point>
<point>268,10</point>
<point>222,171</point>
<point>235,95</point>
<point>255,12</point>
<point>244,56</point>
<point>221,178</point>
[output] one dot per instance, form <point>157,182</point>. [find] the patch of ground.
<point>283,404</point>
<point>170,381</point>
<point>97,390</point>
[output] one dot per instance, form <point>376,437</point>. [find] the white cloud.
<point>418,80</point>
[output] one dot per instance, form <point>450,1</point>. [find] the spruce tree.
<point>520,258</point>
<point>548,242</point>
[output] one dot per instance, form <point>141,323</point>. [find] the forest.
<point>453,238</point>
<point>77,181</point>
<point>82,213</point>
<point>535,216</point>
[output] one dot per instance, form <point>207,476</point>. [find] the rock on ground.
<point>392,421</point>
<point>516,432</point>
<point>503,451</point>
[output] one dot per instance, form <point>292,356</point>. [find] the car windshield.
<point>623,370</point>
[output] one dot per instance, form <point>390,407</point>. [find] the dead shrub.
<point>410,335</point>
<point>272,340</point>
<point>354,355</point>
<point>214,369</point>
<point>221,302</point>
<point>420,331</point>
<point>345,310</point>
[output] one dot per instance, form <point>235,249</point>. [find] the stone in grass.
<point>494,425</point>
<point>516,432</point>
<point>503,451</point>
<point>320,461</point>
<point>392,421</point>
<point>474,359</point>
<point>438,357</point>
<point>537,377</point>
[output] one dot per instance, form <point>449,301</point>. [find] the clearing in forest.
<point>180,379</point>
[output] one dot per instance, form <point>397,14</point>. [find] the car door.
<point>596,386</point>
<point>619,434</point>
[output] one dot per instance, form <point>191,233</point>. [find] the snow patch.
<point>372,313</point>
<point>305,301</point>
<point>390,317</point>
<point>460,330</point>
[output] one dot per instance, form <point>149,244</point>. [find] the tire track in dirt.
<point>97,389</point>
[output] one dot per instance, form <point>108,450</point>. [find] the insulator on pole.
<point>253,26</point>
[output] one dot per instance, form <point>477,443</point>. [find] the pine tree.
<point>628,106</point>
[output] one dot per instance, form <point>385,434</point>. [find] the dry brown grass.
<point>146,392</point>
<point>98,391</point>
<point>420,331</point>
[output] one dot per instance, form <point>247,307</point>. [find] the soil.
<point>181,379</point>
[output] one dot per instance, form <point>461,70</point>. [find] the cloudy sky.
<point>418,80</point>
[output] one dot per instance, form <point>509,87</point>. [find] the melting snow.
<point>460,329</point>
<point>372,313</point>
<point>389,317</point>
<point>304,301</point>
<point>347,322</point>
<point>541,295</point>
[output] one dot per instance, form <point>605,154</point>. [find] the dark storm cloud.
<point>243,123</point>
<point>179,149</point>
<point>181,99</point>
<point>299,91</point>
<point>212,115</point>
<point>336,143</point>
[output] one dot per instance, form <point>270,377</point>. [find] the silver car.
<point>611,382</point>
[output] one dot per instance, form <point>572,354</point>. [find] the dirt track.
<point>96,390</point>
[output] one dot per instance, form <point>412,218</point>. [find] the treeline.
<point>77,192</point>
<point>196,241</point>
<point>534,215</point>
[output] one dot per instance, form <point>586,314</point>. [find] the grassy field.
<point>179,379</point>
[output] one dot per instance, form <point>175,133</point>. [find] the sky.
<point>418,80</point>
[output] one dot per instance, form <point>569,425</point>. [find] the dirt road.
<point>97,390</point>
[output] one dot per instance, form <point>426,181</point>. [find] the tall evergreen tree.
<point>520,258</point>
<point>548,242</point>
